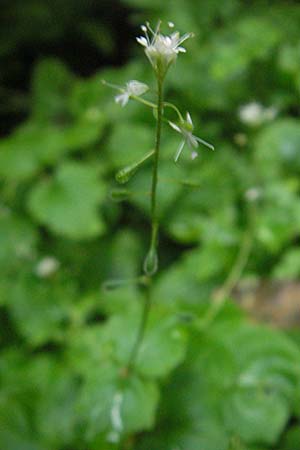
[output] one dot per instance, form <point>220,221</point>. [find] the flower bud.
<point>151,262</point>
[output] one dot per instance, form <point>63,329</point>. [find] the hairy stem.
<point>154,229</point>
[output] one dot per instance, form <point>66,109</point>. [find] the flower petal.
<point>122,99</point>
<point>142,40</point>
<point>179,150</point>
<point>204,143</point>
<point>192,141</point>
<point>175,127</point>
<point>189,119</point>
<point>135,87</point>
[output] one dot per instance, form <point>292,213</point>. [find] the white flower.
<point>254,113</point>
<point>186,128</point>
<point>162,50</point>
<point>253,194</point>
<point>47,267</point>
<point>133,87</point>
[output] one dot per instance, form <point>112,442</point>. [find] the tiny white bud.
<point>171,24</point>
<point>47,267</point>
<point>253,194</point>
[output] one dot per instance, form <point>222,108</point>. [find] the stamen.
<point>157,30</point>
<point>114,86</point>
<point>144,29</point>
<point>184,38</point>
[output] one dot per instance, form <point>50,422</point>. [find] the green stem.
<point>154,231</point>
<point>142,327</point>
<point>142,100</point>
<point>170,105</point>
<point>153,106</point>
<point>232,279</point>
<point>154,221</point>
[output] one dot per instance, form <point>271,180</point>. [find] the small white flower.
<point>47,267</point>
<point>254,114</point>
<point>186,128</point>
<point>133,87</point>
<point>162,50</point>
<point>253,194</point>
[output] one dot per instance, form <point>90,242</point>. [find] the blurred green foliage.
<point>64,340</point>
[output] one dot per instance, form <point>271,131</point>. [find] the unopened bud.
<point>151,262</point>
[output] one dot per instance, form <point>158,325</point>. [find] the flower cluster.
<point>161,50</point>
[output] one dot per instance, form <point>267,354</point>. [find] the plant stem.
<point>154,230</point>
<point>170,105</point>
<point>142,327</point>
<point>232,279</point>
<point>143,101</point>
<point>154,222</point>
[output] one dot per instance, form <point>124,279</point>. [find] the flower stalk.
<point>161,51</point>
<point>151,260</point>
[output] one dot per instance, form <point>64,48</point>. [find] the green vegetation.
<point>206,377</point>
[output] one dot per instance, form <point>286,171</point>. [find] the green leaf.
<point>237,380</point>
<point>68,203</point>
<point>115,404</point>
<point>163,346</point>
<point>33,146</point>
<point>262,381</point>
<point>15,430</point>
<point>55,413</point>
<point>288,267</point>
<point>283,138</point>
<point>291,439</point>
<point>40,308</point>
<point>52,85</point>
<point>278,218</point>
<point>236,444</point>
<point>18,239</point>
<point>123,149</point>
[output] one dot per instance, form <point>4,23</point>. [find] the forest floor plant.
<point>162,51</point>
